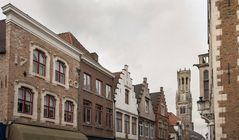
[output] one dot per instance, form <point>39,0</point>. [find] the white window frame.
<point>98,87</point>
<point>146,125</point>
<point>87,78</point>
<point>33,116</point>
<point>66,85</point>
<point>57,114</point>
<point>74,123</point>
<point>47,68</point>
<point>108,93</point>
<point>141,129</point>
<point>151,131</point>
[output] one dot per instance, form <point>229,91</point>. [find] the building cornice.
<point>16,16</point>
<point>97,66</point>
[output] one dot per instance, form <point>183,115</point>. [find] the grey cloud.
<point>154,37</point>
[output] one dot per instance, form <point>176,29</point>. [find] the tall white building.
<point>126,113</point>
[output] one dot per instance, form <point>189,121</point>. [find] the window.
<point>25,100</point>
<point>119,121</point>
<point>182,110</point>
<point>206,84</point>
<point>98,87</point>
<point>60,70</point>
<point>146,105</point>
<point>39,62</point>
<point>146,130</point>
<point>126,96</point>
<point>134,126</point>
<point>69,109</point>
<point>87,81</point>
<point>109,118</point>
<point>108,92</point>
<point>87,112</point>
<point>98,115</point>
<point>141,128</point>
<point>49,106</point>
<point>163,110</point>
<point>126,124</point>
<point>151,130</point>
<point>182,81</point>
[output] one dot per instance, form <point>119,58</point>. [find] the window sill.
<point>99,127</point>
<point>87,124</point>
<point>40,76</point>
<point>109,129</point>
<point>89,91</point>
<point>56,83</point>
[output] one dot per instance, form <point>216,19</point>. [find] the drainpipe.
<point>78,95</point>
<point>78,101</point>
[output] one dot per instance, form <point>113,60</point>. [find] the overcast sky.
<point>154,37</point>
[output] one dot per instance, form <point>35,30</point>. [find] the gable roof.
<point>2,36</point>
<point>71,39</point>
<point>139,91</point>
<point>172,119</point>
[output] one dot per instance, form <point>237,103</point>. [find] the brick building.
<point>146,113</point>
<point>38,80</point>
<point>161,115</point>
<point>223,41</point>
<point>126,107</point>
<point>95,94</point>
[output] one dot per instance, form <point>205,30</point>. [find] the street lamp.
<point>201,104</point>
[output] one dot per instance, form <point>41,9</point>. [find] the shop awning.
<point>26,132</point>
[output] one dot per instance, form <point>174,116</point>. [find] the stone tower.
<point>184,98</point>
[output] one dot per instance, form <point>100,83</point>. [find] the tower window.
<point>182,110</point>
<point>206,84</point>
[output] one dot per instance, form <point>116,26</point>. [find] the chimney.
<point>94,55</point>
<point>145,79</point>
<point>161,89</point>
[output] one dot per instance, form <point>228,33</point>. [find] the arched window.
<point>49,106</point>
<point>39,62</point>
<point>206,84</point>
<point>69,111</point>
<point>25,100</point>
<point>60,71</point>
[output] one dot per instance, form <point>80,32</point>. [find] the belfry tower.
<point>184,98</point>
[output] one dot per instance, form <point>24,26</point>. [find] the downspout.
<point>78,96</point>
